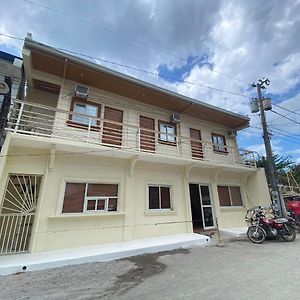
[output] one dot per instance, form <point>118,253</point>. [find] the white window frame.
<point>216,145</point>
<point>97,198</point>
<point>230,198</point>
<point>92,118</point>
<point>165,135</point>
<point>159,197</point>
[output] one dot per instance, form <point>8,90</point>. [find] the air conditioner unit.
<point>81,91</point>
<point>232,133</point>
<point>175,118</point>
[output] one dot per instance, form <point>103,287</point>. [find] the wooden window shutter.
<point>224,196</point>
<point>236,198</point>
<point>102,189</point>
<point>147,137</point>
<point>112,132</point>
<point>196,144</point>
<point>74,198</point>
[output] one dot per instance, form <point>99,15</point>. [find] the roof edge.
<point>62,54</point>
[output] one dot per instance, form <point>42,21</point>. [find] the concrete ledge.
<point>233,233</point>
<point>14,263</point>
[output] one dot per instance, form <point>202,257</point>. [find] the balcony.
<point>39,120</point>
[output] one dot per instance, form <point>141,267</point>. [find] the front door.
<point>201,206</point>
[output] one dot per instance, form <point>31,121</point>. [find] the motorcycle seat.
<point>281,220</point>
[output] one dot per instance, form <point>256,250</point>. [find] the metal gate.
<point>17,212</point>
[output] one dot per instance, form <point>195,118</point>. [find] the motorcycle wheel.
<point>290,237</point>
<point>256,234</point>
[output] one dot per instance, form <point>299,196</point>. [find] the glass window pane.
<point>103,190</point>
<point>165,197</point>
<point>85,109</point>
<point>224,197</point>
<point>91,205</point>
<point>101,204</point>
<point>163,128</point>
<point>112,204</point>
<point>170,130</point>
<point>74,198</point>
<point>91,110</point>
<point>208,217</point>
<point>236,198</point>
<point>162,136</point>
<point>153,197</point>
<point>205,195</point>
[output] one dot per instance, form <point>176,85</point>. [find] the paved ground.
<point>240,270</point>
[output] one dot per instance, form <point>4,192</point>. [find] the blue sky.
<point>223,44</point>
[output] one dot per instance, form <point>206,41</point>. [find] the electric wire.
<point>127,38</point>
<point>155,74</point>
<point>283,116</point>
<point>293,112</point>
<point>295,139</point>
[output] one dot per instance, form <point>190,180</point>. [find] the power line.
<point>144,71</point>
<point>142,43</point>
<point>283,116</point>
<point>293,112</point>
<point>279,132</point>
<point>104,29</point>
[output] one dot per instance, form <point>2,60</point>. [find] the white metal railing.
<point>41,120</point>
<point>15,231</point>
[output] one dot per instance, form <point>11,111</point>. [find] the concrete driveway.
<point>240,270</point>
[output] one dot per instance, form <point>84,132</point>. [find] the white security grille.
<point>17,212</point>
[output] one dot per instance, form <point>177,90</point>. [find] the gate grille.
<point>17,212</point>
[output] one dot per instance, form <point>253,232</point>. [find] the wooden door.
<point>112,131</point>
<point>147,136</point>
<point>196,144</point>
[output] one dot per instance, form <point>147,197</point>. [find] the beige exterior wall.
<point>54,230</point>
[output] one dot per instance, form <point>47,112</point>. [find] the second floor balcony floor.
<point>108,130</point>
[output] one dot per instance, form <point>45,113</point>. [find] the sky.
<point>196,47</point>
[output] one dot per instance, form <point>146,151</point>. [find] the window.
<point>90,197</point>
<point>219,143</point>
<point>85,109</point>
<point>159,197</point>
<point>230,195</point>
<point>167,132</point>
<point>83,112</point>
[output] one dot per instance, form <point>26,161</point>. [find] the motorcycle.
<point>264,226</point>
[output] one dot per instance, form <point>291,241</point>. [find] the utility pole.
<point>272,172</point>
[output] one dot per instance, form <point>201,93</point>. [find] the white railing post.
<point>89,128</point>
<point>138,139</point>
<point>19,117</point>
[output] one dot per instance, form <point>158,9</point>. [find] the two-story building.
<point>93,156</point>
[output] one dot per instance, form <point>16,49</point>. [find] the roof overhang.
<point>50,60</point>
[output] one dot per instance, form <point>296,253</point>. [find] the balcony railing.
<point>40,120</point>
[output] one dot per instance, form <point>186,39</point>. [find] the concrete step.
<point>14,263</point>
